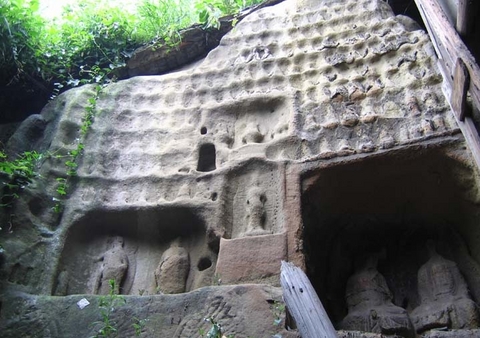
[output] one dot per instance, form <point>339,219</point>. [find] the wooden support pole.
<point>467,126</point>
<point>461,82</point>
<point>464,15</point>
<point>304,305</point>
<point>450,48</point>
<point>449,45</point>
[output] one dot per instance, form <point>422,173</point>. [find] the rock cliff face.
<point>317,132</point>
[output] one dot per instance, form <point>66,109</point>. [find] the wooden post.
<point>449,45</point>
<point>450,48</point>
<point>304,305</point>
<point>464,16</point>
<point>461,82</point>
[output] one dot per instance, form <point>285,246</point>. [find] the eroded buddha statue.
<point>369,303</point>
<point>445,302</point>
<point>255,212</point>
<point>114,265</point>
<point>172,271</point>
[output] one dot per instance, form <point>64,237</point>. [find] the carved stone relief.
<point>445,302</point>
<point>150,252</point>
<point>253,206</point>
<point>369,302</point>
<point>172,271</point>
<point>256,216</point>
<point>112,267</point>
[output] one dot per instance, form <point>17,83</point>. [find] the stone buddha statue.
<point>369,303</point>
<point>172,271</point>
<point>256,215</point>
<point>114,265</point>
<point>444,297</point>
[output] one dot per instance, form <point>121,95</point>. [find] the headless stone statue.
<point>114,266</point>
<point>255,217</point>
<point>370,306</point>
<point>172,271</point>
<point>444,296</point>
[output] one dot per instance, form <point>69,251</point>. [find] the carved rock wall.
<point>231,161</point>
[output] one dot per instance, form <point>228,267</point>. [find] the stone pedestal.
<point>251,259</point>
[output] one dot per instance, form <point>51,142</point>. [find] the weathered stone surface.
<point>316,131</point>
<point>251,259</point>
<point>196,42</point>
<point>176,316</point>
<point>452,334</point>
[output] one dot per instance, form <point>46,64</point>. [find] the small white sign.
<point>82,303</point>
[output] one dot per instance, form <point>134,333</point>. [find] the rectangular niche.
<point>133,246</point>
<point>390,206</point>
<point>253,200</point>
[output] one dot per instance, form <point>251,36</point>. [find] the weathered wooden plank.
<point>450,47</point>
<point>304,305</point>
<point>461,81</point>
<point>448,44</point>
<point>467,126</point>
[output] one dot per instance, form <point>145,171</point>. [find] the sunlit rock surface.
<point>224,168</point>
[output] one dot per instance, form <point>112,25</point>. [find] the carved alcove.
<point>148,238</point>
<point>390,206</point>
<point>253,200</point>
<point>207,157</point>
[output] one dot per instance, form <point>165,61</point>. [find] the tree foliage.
<point>92,38</point>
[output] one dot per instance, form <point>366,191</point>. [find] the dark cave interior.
<point>389,207</point>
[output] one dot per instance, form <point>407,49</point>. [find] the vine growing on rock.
<point>72,157</point>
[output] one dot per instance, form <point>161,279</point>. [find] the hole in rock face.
<point>203,130</point>
<point>206,158</point>
<point>214,196</point>
<point>388,209</point>
<point>204,263</point>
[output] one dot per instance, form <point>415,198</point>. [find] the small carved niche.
<point>252,206</point>
<point>207,158</point>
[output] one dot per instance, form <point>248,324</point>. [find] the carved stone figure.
<point>62,284</point>
<point>370,306</point>
<point>444,296</point>
<point>114,266</point>
<point>252,134</point>
<point>172,271</point>
<point>256,216</point>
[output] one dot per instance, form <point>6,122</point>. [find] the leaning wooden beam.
<point>467,126</point>
<point>449,45</point>
<point>304,305</point>
<point>459,69</point>
<point>461,81</point>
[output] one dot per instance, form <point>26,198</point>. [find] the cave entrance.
<point>390,206</point>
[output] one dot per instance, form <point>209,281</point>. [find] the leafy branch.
<point>15,175</point>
